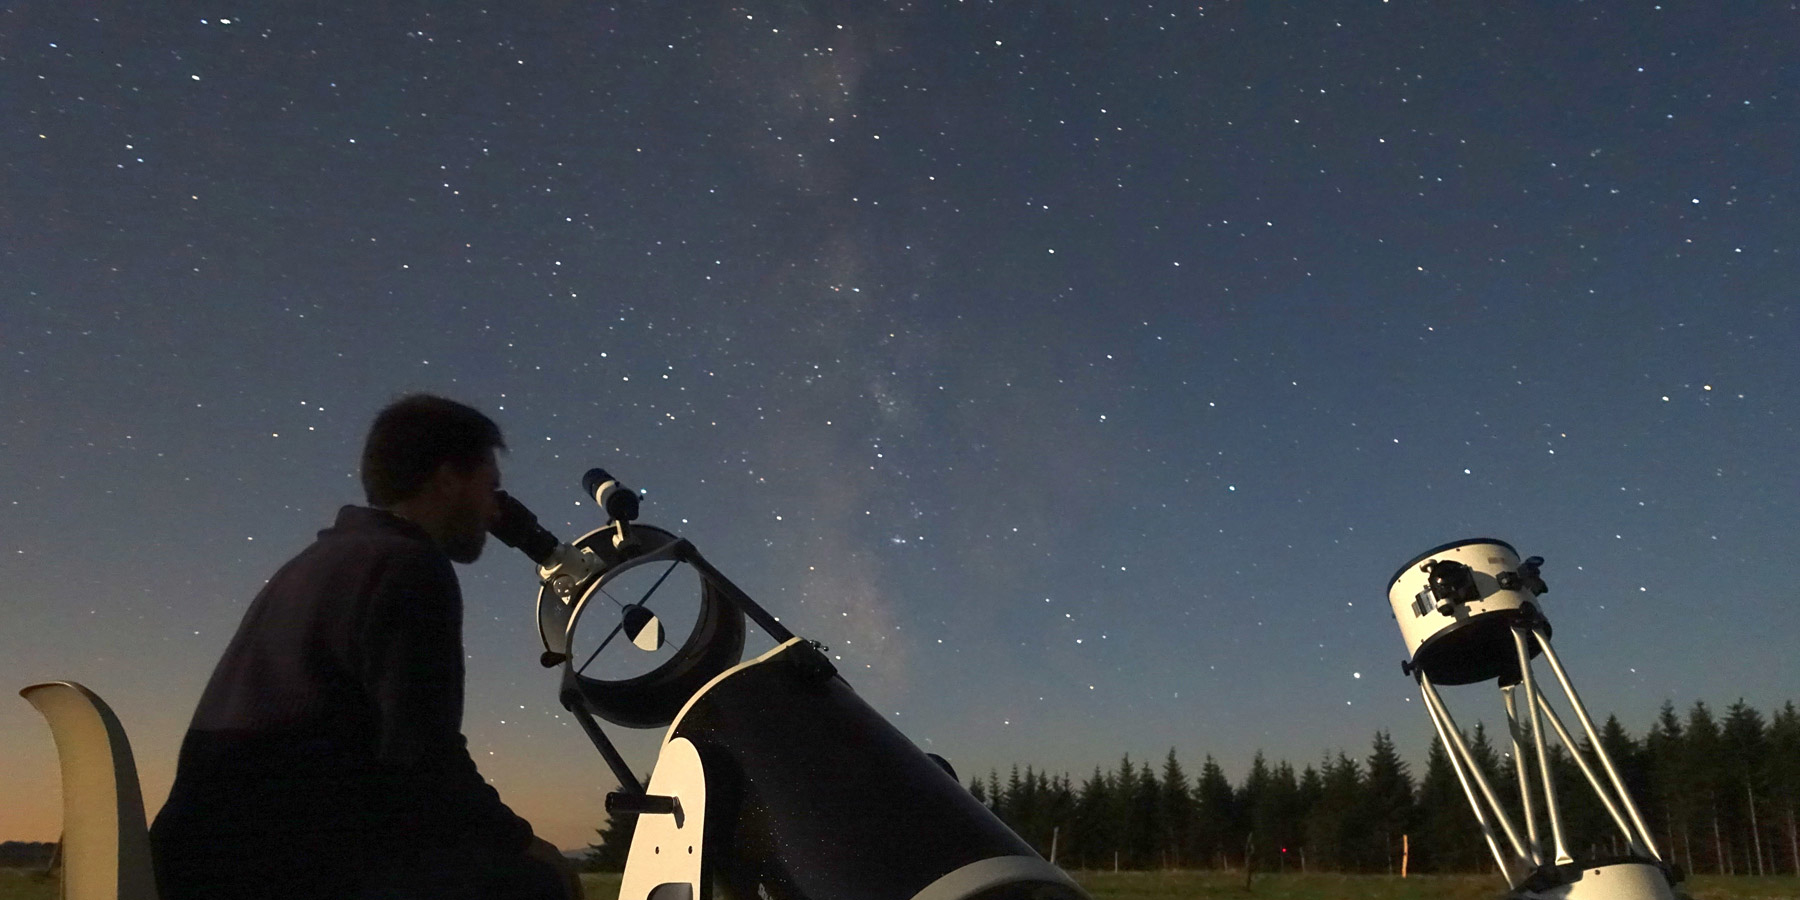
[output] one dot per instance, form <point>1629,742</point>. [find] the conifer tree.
<point>1332,825</point>
<point>1388,804</point>
<point>1633,764</point>
<point>1723,794</point>
<point>1670,796</point>
<point>1248,803</point>
<point>1783,773</point>
<point>1009,801</point>
<point>1125,826</point>
<point>1700,771</point>
<point>1449,839</point>
<point>1743,742</point>
<point>608,854</point>
<point>1501,776</point>
<point>1627,754</point>
<point>1060,812</point>
<point>1280,818</point>
<point>1094,835</point>
<point>1212,816</point>
<point>1311,788</point>
<point>1175,797</point>
<point>1146,813</point>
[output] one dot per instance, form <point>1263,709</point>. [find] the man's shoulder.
<point>377,531</point>
<point>361,540</point>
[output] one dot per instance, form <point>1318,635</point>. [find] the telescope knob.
<point>625,803</point>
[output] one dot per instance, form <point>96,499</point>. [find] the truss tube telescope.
<point>1469,612</point>
<point>774,779</point>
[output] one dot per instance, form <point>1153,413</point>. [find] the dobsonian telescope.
<point>774,779</point>
<point>1468,611</point>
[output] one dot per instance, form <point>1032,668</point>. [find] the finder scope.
<point>619,501</point>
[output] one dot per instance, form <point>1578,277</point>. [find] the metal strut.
<point>1593,736</point>
<point>1527,802</point>
<point>1587,770</point>
<point>1460,758</point>
<point>1543,756</point>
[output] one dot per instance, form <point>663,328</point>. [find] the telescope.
<point>1469,614</point>
<point>773,778</point>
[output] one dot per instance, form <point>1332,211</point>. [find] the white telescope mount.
<point>1469,614</point>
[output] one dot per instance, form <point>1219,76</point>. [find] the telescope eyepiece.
<point>518,527</point>
<point>1451,582</point>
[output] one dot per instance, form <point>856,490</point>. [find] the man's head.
<point>431,461</point>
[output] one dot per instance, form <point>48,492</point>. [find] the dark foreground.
<point>19,884</point>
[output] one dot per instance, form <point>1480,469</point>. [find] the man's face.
<point>473,506</point>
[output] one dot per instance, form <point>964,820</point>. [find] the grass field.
<point>1183,885</point>
<point>17,884</point>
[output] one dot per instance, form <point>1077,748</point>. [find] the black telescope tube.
<point>517,527</point>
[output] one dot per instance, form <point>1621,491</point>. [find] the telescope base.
<point>1632,880</point>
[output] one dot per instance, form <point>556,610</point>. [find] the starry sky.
<point>1079,373</point>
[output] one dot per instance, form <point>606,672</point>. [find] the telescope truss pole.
<point>1587,725</point>
<point>1513,867</point>
<point>1527,802</point>
<point>1587,770</point>
<point>1543,756</point>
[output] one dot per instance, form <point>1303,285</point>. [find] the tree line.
<point>1719,796</point>
<point>19,854</point>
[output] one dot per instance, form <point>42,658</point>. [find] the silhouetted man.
<point>326,757</point>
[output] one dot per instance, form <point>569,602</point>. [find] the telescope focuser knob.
<point>624,803</point>
<point>1451,583</point>
<point>1531,578</point>
<point>1526,579</point>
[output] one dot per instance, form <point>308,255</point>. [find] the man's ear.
<point>443,478</point>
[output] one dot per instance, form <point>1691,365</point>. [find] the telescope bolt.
<point>564,586</point>
<point>550,659</point>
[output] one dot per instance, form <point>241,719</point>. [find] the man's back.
<point>328,744</point>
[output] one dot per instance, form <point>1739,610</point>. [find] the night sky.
<point>1078,374</point>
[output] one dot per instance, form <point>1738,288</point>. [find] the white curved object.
<point>665,857</point>
<point>105,844</point>
<point>995,871</point>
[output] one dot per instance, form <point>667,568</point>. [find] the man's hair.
<point>413,436</point>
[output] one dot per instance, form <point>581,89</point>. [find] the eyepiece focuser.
<point>518,528</point>
<point>561,566</point>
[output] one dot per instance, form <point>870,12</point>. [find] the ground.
<point>17,884</point>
